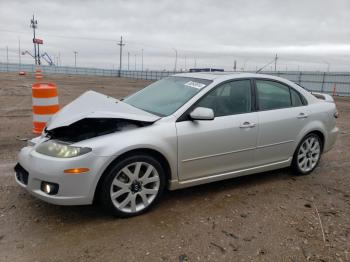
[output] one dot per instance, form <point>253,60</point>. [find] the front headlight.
<point>60,150</point>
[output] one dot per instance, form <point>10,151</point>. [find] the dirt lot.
<point>273,216</point>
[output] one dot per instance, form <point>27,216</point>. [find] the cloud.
<point>214,33</point>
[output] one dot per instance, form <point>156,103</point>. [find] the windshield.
<point>165,96</point>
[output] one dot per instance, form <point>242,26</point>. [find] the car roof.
<point>221,75</point>
<point>218,77</point>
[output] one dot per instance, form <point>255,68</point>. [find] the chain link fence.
<point>151,75</point>
<point>324,82</point>
<point>313,81</point>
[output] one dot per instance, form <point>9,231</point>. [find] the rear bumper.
<point>75,189</point>
<point>331,138</point>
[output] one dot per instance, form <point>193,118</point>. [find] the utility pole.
<point>244,64</point>
<point>7,58</point>
<point>121,44</point>
<point>128,61</point>
<point>328,65</point>
<point>175,59</point>
<point>19,52</point>
<point>276,57</point>
<point>235,65</point>
<point>34,25</point>
<point>135,62</point>
<point>195,62</point>
<point>75,60</point>
<point>142,59</point>
<point>39,62</point>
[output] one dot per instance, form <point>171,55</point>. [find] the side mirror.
<point>202,113</point>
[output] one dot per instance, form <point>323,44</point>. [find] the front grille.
<point>21,174</point>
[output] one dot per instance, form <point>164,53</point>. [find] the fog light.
<point>336,114</point>
<point>49,188</point>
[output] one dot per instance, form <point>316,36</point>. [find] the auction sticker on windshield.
<point>194,84</point>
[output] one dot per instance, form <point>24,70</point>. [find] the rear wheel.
<point>133,185</point>
<point>307,154</point>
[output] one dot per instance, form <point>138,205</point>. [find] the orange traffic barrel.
<point>38,74</point>
<point>45,104</point>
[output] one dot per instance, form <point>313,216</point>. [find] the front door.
<point>227,143</point>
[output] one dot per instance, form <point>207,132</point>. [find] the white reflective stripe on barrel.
<point>41,118</point>
<point>45,101</point>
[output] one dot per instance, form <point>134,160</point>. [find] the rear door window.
<point>272,95</point>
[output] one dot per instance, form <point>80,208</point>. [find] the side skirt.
<point>175,184</point>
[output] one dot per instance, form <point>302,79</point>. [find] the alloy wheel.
<point>309,154</point>
<point>135,187</point>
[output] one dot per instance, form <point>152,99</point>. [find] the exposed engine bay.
<point>92,127</point>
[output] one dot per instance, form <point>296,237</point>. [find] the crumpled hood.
<point>95,105</point>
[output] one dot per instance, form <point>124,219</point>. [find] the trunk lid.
<point>323,97</point>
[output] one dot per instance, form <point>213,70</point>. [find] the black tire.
<point>113,171</point>
<point>297,170</point>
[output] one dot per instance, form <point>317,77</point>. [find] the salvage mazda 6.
<point>181,131</point>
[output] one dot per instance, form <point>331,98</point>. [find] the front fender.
<point>159,137</point>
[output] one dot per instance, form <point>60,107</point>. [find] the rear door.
<point>282,115</point>
<point>224,144</point>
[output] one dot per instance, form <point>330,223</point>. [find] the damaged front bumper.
<point>73,189</point>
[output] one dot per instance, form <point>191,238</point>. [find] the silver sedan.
<point>181,131</point>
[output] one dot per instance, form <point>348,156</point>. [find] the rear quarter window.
<point>296,98</point>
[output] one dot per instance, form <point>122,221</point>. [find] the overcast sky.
<point>306,35</point>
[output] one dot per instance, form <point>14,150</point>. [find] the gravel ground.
<point>271,216</point>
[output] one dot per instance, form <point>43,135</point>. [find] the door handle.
<point>302,115</point>
<point>247,125</point>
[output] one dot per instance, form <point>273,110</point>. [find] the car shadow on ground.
<point>243,182</point>
<point>69,214</point>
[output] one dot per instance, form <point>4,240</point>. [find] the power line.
<point>132,43</point>
<point>269,63</point>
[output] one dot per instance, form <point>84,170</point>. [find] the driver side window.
<point>229,98</point>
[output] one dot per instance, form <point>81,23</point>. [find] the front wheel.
<point>307,154</point>
<point>133,185</point>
